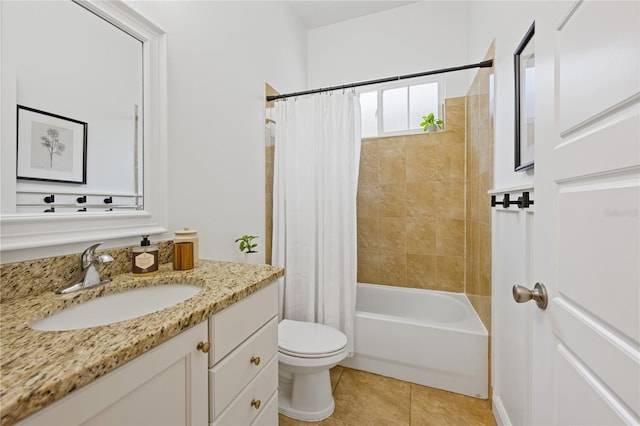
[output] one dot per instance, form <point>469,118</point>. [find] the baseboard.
<point>499,412</point>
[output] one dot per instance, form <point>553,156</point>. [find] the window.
<point>397,110</point>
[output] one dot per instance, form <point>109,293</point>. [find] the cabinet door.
<point>165,386</point>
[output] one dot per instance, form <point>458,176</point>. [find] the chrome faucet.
<point>90,277</point>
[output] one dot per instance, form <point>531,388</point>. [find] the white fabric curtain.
<point>317,155</point>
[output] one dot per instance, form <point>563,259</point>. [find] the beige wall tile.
<point>484,199</point>
<point>368,267</point>
<point>484,259</point>
<point>268,178</point>
<point>455,115</point>
<point>393,235</point>
<point>368,200</point>
<point>421,199</point>
<point>472,199</point>
<point>450,272</point>
<point>450,162</point>
<point>393,269</point>
<point>421,160</point>
<point>393,200</point>
<point>482,305</point>
<point>369,162</point>
<point>269,154</point>
<point>391,152</point>
<point>450,199</point>
<point>421,235</point>
<point>368,234</point>
<point>450,237</point>
<point>448,138</point>
<point>268,231</point>
<point>421,272</point>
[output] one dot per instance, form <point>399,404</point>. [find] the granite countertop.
<point>40,367</point>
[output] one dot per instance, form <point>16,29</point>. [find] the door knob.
<point>539,294</point>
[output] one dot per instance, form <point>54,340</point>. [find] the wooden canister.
<point>182,256</point>
<point>187,234</point>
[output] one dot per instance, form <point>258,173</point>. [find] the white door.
<point>586,356</point>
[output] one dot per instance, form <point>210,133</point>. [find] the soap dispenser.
<point>144,259</point>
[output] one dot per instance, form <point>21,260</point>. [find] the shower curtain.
<point>317,155</point>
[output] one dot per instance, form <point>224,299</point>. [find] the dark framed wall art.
<point>51,147</point>
<point>525,79</point>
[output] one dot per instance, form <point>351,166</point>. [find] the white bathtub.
<point>427,337</point>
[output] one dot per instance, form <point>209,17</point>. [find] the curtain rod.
<point>483,64</point>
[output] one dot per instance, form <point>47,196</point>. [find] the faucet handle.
<point>86,259</point>
<point>104,258</point>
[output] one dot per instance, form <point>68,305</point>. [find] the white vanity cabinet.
<point>177,383</point>
<point>164,386</point>
<point>243,374</point>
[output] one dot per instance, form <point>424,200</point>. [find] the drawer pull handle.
<point>204,347</point>
<point>255,403</point>
<point>255,360</point>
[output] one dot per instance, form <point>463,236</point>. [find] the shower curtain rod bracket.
<point>484,64</point>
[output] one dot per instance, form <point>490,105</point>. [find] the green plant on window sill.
<point>430,123</point>
<point>245,243</point>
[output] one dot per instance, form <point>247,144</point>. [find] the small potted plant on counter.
<point>430,123</point>
<point>247,247</point>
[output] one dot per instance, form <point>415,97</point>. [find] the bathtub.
<point>431,338</point>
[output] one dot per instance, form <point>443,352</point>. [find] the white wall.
<point>506,22</point>
<point>220,55</point>
<point>410,39</point>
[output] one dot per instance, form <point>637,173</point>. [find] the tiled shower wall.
<point>479,182</point>
<point>269,152</point>
<point>411,207</point>
<point>423,214</point>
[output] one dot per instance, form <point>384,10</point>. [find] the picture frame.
<point>50,147</point>
<point>524,71</point>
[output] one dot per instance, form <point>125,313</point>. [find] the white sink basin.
<point>117,307</point>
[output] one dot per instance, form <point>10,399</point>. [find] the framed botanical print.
<point>51,147</point>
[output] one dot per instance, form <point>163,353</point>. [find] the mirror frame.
<point>25,231</point>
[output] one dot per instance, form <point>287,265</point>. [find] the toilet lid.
<point>307,339</point>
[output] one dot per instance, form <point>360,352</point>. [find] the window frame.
<point>379,88</point>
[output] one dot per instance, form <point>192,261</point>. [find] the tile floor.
<point>366,399</point>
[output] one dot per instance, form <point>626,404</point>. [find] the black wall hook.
<point>82,199</point>
<point>50,199</point>
<point>524,202</point>
<point>108,200</point>
<point>50,210</point>
<point>505,203</point>
<point>84,209</point>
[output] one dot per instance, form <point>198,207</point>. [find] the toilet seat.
<point>309,340</point>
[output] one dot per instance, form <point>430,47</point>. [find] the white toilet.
<point>306,352</point>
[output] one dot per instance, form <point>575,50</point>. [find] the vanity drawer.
<point>232,374</point>
<point>269,414</point>
<point>233,325</point>
<point>242,411</point>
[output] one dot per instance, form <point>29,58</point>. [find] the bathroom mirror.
<point>98,63</point>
